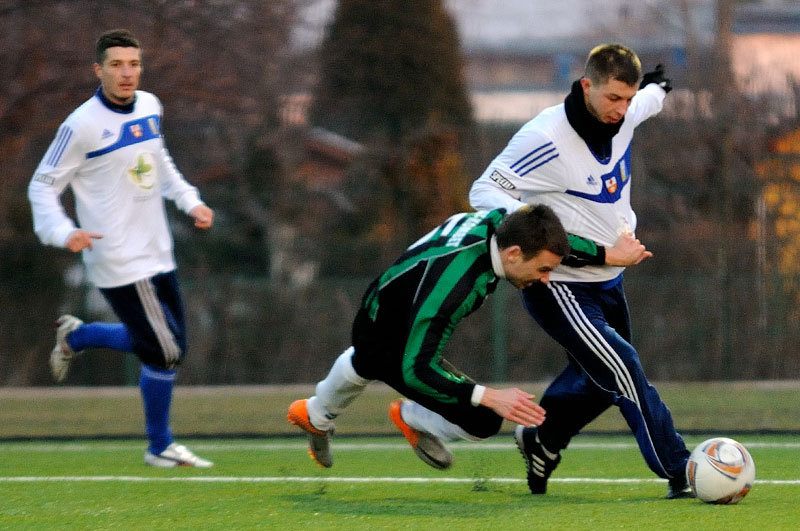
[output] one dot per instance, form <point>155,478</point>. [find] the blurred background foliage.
<point>328,143</point>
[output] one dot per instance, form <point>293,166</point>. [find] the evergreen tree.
<point>388,68</point>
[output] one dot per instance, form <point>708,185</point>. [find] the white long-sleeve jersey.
<point>547,162</point>
<point>120,172</point>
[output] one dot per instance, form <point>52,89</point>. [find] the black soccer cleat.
<point>539,462</point>
<point>678,487</point>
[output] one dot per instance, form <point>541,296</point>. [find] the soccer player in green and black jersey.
<point>407,316</point>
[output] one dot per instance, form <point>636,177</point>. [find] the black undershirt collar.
<point>127,108</point>
<point>596,134</point>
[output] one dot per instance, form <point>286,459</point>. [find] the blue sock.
<point>156,387</point>
<point>109,335</point>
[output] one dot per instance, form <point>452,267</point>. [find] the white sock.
<point>335,392</point>
<point>423,419</point>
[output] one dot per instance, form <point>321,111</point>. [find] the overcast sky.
<point>498,23</point>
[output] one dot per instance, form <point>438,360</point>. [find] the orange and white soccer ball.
<point>721,471</point>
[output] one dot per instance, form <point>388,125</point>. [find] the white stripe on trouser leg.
<point>604,352</point>
<point>595,340</point>
<point>336,391</point>
<point>158,321</point>
<point>423,419</point>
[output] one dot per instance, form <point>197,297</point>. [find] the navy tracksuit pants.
<point>591,321</point>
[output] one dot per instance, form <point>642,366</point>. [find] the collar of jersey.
<point>116,107</point>
<point>595,133</point>
<point>497,263</point>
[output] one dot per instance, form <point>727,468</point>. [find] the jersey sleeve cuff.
<point>477,395</point>
<point>61,234</point>
<point>189,200</point>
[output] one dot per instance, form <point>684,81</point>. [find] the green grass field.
<point>65,464</point>
<point>376,483</point>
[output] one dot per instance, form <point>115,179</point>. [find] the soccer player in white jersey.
<point>575,157</point>
<point>110,151</point>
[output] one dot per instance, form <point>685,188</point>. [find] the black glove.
<point>657,77</point>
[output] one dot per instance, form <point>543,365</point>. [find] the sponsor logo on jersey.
<point>46,179</point>
<point>136,130</point>
<point>151,123</point>
<point>502,181</point>
<point>623,170</point>
<point>611,185</point>
<point>143,174</point>
<point>106,134</point>
<point>591,181</point>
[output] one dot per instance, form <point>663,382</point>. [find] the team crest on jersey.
<point>143,173</point>
<point>151,123</point>
<point>136,130</point>
<point>611,185</point>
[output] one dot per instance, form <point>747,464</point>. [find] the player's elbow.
<point>477,193</point>
<point>34,189</point>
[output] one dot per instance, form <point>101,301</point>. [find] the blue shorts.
<point>152,311</point>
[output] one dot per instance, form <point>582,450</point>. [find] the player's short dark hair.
<point>534,229</point>
<point>613,61</point>
<point>111,38</point>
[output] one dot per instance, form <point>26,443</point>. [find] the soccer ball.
<point>721,471</point>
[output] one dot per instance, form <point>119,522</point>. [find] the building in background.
<point>521,57</point>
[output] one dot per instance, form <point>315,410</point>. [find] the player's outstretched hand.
<point>514,405</point>
<point>203,216</point>
<point>627,251</point>
<point>80,239</point>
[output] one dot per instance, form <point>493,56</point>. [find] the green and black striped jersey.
<point>440,279</point>
<point>583,252</point>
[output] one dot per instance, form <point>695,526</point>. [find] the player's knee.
<point>630,358</point>
<point>162,359</point>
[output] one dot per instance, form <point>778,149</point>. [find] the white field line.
<point>73,447</point>
<point>304,479</point>
<point>338,446</point>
